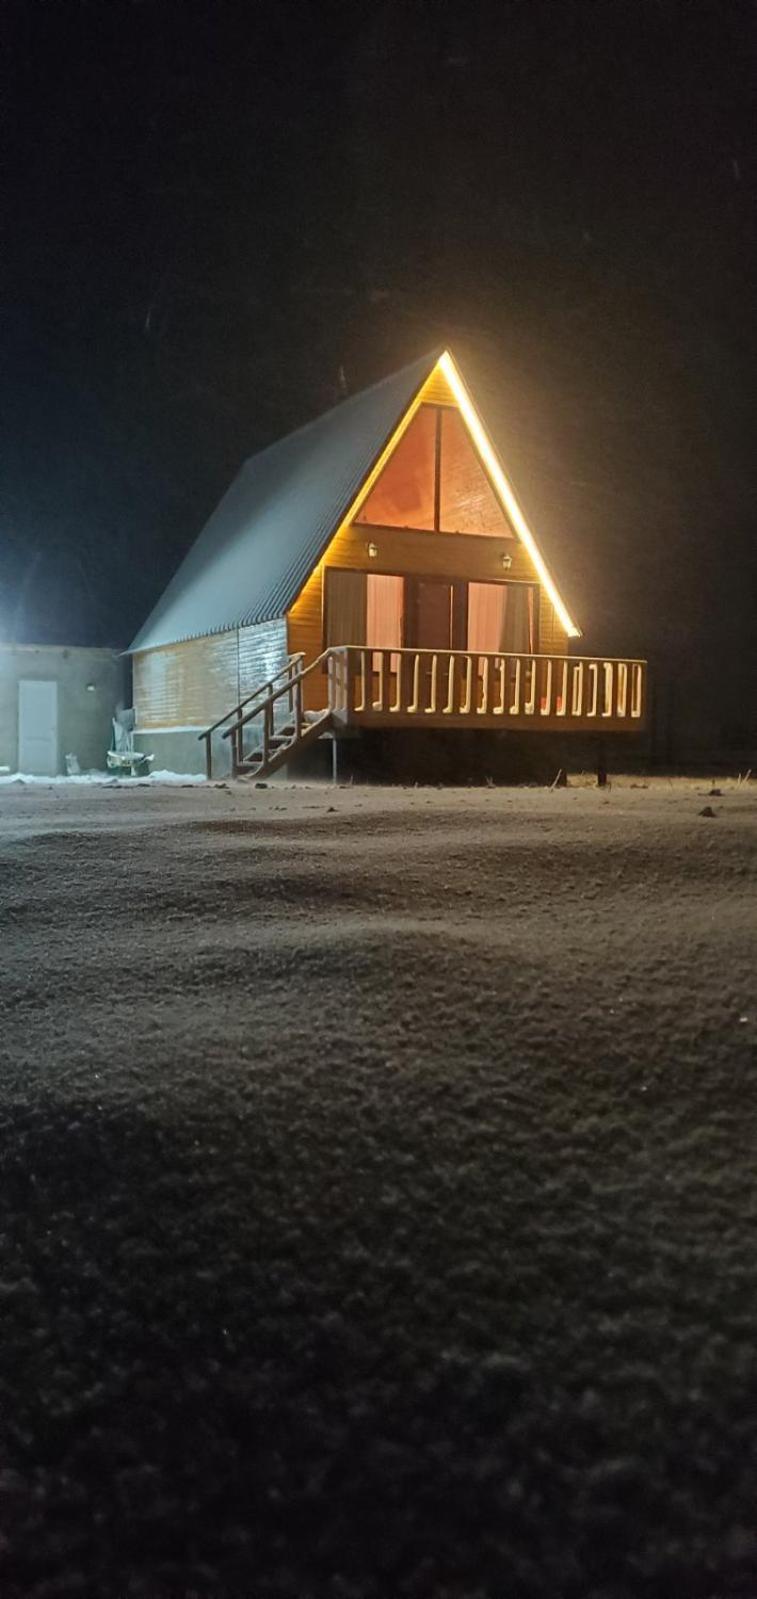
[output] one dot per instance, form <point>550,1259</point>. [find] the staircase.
<point>260,744</point>
<point>277,749</point>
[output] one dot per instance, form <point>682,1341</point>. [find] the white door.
<point>38,727</point>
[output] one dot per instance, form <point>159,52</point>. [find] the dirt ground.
<point>377,1192</point>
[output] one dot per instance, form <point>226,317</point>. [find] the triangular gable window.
<point>403,495</point>
<point>434,481</point>
<point>468,503</point>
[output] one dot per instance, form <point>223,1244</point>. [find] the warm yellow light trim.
<point>365,489</point>
<point>503,487</point>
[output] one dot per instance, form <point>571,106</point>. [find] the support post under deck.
<point>601,763</point>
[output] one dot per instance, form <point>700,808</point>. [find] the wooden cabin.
<point>374,569</point>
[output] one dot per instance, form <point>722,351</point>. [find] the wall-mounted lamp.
<point>507,562</point>
<point>372,550</point>
<point>91,688</point>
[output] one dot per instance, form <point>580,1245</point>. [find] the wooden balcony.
<point>458,688</point>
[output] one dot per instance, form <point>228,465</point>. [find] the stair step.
<point>284,740</point>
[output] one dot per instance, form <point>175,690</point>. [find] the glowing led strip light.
<point>503,488</point>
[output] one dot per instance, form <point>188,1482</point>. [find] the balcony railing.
<point>461,687</point>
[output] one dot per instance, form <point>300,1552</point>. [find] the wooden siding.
<point>453,555</point>
<point>436,390</point>
<point>193,683</point>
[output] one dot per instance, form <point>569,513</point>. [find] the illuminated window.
<point>468,503</point>
<point>502,616</point>
<point>434,481</point>
<point>403,495</point>
<point>384,612</point>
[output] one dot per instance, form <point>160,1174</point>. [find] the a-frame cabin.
<point>374,569</point>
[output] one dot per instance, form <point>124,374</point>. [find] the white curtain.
<point>384,612</point>
<point>487,603</point>
<point>501,617</point>
<point>519,633</point>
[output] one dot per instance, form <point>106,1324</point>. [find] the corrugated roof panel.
<point>271,528</point>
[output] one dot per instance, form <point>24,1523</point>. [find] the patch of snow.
<point>99,780</point>
<point>377,1191</point>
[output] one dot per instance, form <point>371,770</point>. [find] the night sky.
<point>220,217</point>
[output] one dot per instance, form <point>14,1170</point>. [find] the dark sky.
<point>214,210</point>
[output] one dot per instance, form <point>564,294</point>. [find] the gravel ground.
<point>378,1197</point>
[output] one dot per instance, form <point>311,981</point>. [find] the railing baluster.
<point>530,704</point>
<point>484,706</point>
<point>608,680</point>
<point>466,705</point>
<point>431,707</point>
<point>562,697</point>
<point>413,707</point>
<point>378,703</point>
<point>577,702</point>
<point>267,708</point>
<point>396,667</point>
<point>515,707</point>
<point>450,686</point>
<point>546,698</point>
<point>499,710</point>
<point>637,696</point>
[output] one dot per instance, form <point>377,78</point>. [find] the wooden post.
<point>601,763</point>
<point>267,718</point>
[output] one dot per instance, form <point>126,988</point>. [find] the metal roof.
<point>272,527</point>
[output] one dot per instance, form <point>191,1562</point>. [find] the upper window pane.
<point>403,496</point>
<point>468,502</point>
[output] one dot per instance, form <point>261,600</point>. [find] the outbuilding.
<point>57,701</point>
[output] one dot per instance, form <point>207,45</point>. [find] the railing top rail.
<point>257,693</point>
<point>491,655</point>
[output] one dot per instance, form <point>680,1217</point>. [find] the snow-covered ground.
<point>378,1198</point>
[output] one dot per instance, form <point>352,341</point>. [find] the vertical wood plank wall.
<point>193,683</point>
<point>405,553</point>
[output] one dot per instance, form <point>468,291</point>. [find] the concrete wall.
<point>176,749</point>
<point>90,686</point>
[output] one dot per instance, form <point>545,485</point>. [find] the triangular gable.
<point>435,481</point>
<point>444,386</point>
